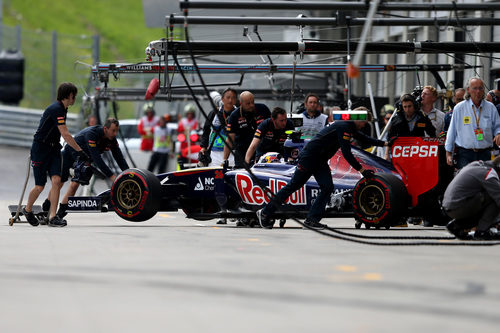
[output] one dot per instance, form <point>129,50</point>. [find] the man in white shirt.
<point>313,120</point>
<point>429,96</point>
<point>474,126</point>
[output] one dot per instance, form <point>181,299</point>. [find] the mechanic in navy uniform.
<point>474,126</point>
<point>46,153</point>
<point>270,136</point>
<point>409,121</point>
<point>313,161</point>
<point>242,125</point>
<point>472,199</point>
<point>313,120</point>
<point>94,140</point>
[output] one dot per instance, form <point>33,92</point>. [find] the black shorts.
<point>68,161</point>
<point>45,159</point>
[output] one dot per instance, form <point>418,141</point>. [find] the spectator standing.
<point>92,120</point>
<point>162,145</point>
<point>212,143</point>
<point>146,125</point>
<point>493,96</point>
<point>457,98</point>
<point>313,120</point>
<point>474,126</point>
<point>189,121</point>
<point>429,96</point>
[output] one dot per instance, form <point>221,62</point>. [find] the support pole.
<point>333,22</point>
<point>335,5</point>
<point>54,65</point>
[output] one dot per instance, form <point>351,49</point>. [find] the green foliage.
<point>119,23</point>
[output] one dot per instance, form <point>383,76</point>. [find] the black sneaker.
<point>457,231</point>
<point>46,205</point>
<point>222,221</point>
<point>30,217</point>
<point>487,235</point>
<point>61,212</point>
<point>314,225</point>
<point>427,223</point>
<point>263,220</point>
<point>56,221</point>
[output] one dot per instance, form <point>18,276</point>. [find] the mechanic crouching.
<point>313,161</point>
<point>94,141</point>
<point>473,200</point>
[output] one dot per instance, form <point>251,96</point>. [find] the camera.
<point>417,94</point>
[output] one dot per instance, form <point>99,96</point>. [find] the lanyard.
<point>475,116</point>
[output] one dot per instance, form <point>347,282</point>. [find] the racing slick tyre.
<point>135,195</point>
<point>380,201</point>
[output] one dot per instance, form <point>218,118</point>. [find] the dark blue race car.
<point>411,185</point>
<point>214,192</point>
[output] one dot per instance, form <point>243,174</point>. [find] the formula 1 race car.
<point>411,186</point>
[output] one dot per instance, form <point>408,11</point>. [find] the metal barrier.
<point>18,125</point>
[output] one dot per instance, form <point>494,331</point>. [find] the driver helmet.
<point>271,158</point>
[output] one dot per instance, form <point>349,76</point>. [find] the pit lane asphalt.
<point>171,274</point>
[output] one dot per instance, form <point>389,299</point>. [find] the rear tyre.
<point>136,195</point>
<point>380,201</point>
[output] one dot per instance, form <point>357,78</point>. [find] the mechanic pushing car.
<point>270,136</point>
<point>94,141</point>
<point>313,161</point>
<point>472,199</point>
<point>242,125</point>
<point>46,153</point>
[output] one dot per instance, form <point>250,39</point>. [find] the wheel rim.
<point>372,200</point>
<point>129,194</point>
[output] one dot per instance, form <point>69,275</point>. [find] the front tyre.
<point>135,195</point>
<point>380,201</point>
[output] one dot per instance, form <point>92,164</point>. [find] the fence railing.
<point>18,125</point>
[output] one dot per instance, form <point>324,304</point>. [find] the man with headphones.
<point>409,121</point>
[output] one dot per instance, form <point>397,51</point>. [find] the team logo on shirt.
<point>60,120</point>
<point>92,144</point>
<point>258,133</point>
<point>347,136</point>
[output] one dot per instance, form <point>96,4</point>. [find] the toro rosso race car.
<point>412,185</point>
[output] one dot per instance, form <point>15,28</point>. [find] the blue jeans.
<point>465,156</point>
<point>304,171</point>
